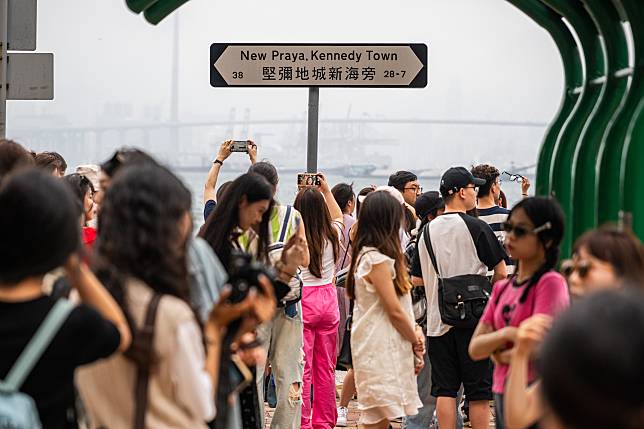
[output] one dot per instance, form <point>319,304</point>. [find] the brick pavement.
<point>354,414</point>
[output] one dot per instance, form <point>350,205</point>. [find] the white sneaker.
<point>342,417</point>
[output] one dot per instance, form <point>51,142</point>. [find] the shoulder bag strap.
<point>36,346</point>
<point>287,218</point>
<point>344,258</point>
<point>143,373</point>
<point>430,249</point>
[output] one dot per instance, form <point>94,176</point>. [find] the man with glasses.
<point>462,245</point>
<point>407,183</point>
<point>488,209</point>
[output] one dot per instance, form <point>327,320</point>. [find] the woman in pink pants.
<point>323,221</point>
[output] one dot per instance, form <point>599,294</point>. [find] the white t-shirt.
<point>462,245</point>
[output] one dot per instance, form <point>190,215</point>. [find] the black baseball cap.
<point>457,178</point>
<point>427,203</point>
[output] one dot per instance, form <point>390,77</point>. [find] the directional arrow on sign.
<point>319,65</point>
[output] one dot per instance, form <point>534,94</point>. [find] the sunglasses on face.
<point>581,267</point>
<point>520,231</point>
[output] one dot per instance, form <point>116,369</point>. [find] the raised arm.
<point>209,191</point>
<point>334,208</point>
<point>93,293</point>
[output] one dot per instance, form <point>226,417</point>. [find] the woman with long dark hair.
<point>83,190</point>
<point>534,230</point>
<point>141,255</point>
<point>320,314</point>
<point>386,347</point>
<point>246,206</point>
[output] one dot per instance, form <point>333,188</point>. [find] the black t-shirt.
<point>83,338</point>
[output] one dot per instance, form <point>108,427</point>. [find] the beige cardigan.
<point>107,387</point>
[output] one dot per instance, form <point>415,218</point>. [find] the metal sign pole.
<point>312,141</point>
<point>4,10</point>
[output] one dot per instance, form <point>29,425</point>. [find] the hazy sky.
<point>486,61</point>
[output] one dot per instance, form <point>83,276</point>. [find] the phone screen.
<point>239,146</point>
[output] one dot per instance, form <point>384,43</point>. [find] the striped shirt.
<point>495,216</point>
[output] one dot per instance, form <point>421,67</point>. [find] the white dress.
<point>383,361</point>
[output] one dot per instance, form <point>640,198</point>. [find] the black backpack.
<point>461,299</point>
<point>418,297</point>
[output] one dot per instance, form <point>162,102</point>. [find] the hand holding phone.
<point>240,146</point>
<point>308,180</point>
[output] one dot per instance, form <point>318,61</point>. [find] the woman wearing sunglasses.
<point>534,230</point>
<point>604,258</point>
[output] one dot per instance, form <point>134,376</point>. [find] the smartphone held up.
<point>308,180</point>
<point>239,146</point>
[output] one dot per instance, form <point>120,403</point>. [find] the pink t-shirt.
<point>549,296</point>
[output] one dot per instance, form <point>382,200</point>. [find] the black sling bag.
<point>461,299</point>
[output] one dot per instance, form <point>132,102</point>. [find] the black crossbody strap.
<point>346,251</point>
<point>430,249</point>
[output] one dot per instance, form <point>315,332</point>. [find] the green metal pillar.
<point>611,97</point>
<point>609,163</point>
<point>552,22</point>
<point>561,168</point>
<point>632,174</point>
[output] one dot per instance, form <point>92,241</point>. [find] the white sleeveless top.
<point>328,264</point>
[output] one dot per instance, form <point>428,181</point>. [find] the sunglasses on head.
<point>520,231</point>
<point>581,267</point>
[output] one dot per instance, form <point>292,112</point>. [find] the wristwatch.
<point>217,161</point>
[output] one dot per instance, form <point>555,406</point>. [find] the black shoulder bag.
<point>461,299</point>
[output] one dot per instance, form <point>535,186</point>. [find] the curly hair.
<point>139,234</point>
<point>487,172</point>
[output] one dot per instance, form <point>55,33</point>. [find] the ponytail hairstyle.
<point>319,227</point>
<point>378,226</point>
<point>542,211</point>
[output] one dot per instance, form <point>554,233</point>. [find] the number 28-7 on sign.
<point>334,65</point>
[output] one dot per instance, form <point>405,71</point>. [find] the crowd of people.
<point>117,311</point>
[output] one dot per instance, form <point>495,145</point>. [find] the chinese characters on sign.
<point>319,65</point>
